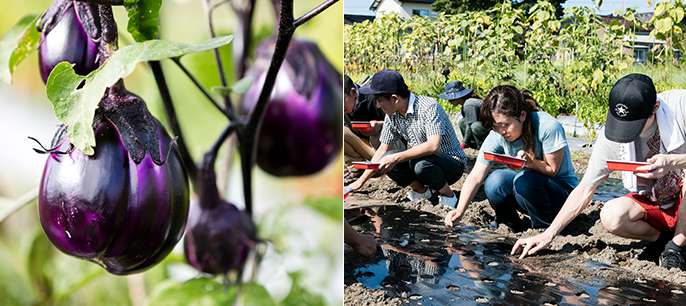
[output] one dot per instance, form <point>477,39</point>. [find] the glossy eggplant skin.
<point>301,127</point>
<point>218,239</point>
<point>219,236</point>
<point>106,208</point>
<point>67,40</point>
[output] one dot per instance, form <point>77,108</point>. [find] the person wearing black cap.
<point>433,159</point>
<point>473,131</point>
<point>641,126</point>
<point>360,145</point>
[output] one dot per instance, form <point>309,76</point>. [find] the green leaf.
<point>16,44</point>
<point>242,85</point>
<point>75,106</point>
<point>677,14</point>
<point>330,207</point>
<point>224,91</point>
<point>195,292</point>
<point>144,18</point>
<point>40,256</point>
<point>659,10</point>
<point>239,87</point>
<point>664,25</point>
<point>253,294</point>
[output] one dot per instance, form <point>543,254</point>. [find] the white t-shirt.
<point>604,149</point>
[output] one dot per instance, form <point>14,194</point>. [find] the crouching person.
<point>360,144</point>
<point>433,159</point>
<point>640,126</point>
<point>519,130</point>
<point>473,130</point>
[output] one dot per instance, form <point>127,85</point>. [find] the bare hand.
<point>531,245</point>
<point>452,217</point>
<point>355,185</point>
<point>660,165</point>
<point>528,157</point>
<point>388,162</point>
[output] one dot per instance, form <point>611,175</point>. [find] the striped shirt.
<point>424,118</point>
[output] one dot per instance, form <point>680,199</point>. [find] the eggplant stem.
<point>207,95</point>
<point>170,111</point>
<point>314,12</point>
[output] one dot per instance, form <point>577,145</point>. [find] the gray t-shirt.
<point>471,109</point>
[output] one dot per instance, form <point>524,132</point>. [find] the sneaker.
<point>671,258</point>
<point>448,201</point>
<point>416,196</point>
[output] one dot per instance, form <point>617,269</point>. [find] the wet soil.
<point>587,264</point>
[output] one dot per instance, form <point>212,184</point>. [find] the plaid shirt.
<point>424,118</point>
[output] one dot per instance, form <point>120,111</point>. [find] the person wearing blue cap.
<point>473,131</point>
<point>641,126</point>
<point>433,159</point>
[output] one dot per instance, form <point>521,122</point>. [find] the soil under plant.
<point>423,262</point>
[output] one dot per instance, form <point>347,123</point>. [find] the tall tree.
<point>459,6</point>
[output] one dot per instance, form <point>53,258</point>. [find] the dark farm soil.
<point>585,252</point>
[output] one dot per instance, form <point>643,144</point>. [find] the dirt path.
<point>584,239</point>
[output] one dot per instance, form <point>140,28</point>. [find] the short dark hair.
<point>403,93</point>
<point>348,85</point>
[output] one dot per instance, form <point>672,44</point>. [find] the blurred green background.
<point>298,261</point>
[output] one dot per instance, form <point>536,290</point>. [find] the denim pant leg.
<point>499,189</point>
<point>539,196</point>
<point>437,170</point>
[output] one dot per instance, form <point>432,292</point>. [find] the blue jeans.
<point>532,193</point>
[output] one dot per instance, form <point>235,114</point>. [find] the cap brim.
<point>455,95</point>
<point>367,90</point>
<point>623,131</point>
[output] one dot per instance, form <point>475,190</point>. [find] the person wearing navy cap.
<point>473,131</point>
<point>641,126</point>
<point>433,159</point>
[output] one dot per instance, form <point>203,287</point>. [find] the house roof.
<point>375,3</point>
<point>643,18</point>
<point>351,18</point>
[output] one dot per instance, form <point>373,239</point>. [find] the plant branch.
<point>248,143</point>
<point>173,121</point>
<point>211,155</point>
<point>197,84</point>
<point>244,10</point>
<point>314,12</point>
<point>228,105</point>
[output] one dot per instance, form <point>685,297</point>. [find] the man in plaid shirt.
<point>433,159</point>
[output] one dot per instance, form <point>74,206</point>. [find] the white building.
<point>404,8</point>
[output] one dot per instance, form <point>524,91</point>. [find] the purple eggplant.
<point>301,128</point>
<point>70,31</point>
<point>219,236</point>
<point>124,213</point>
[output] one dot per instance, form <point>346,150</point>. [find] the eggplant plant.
<point>116,186</point>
